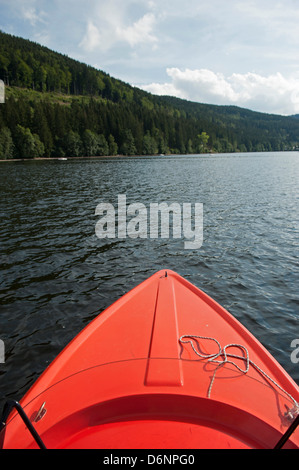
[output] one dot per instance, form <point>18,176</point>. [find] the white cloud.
<point>136,40</point>
<point>28,10</point>
<point>140,32</point>
<point>92,38</point>
<point>110,24</point>
<point>274,93</point>
<point>31,15</point>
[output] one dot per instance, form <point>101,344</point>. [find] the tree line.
<point>56,106</point>
<point>26,64</point>
<point>32,129</point>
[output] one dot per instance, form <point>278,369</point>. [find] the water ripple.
<point>56,275</point>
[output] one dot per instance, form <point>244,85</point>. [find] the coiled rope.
<point>221,358</point>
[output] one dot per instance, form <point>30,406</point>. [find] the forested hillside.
<point>56,106</point>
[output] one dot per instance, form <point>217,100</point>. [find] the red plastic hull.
<point>127,381</point>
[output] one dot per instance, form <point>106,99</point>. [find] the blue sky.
<point>237,52</point>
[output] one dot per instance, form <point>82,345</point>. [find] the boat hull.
<point>163,367</point>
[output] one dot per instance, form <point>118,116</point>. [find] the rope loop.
<point>221,358</point>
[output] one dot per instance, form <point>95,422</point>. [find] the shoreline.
<point>137,156</point>
<point>81,158</point>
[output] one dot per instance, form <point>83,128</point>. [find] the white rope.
<point>222,352</point>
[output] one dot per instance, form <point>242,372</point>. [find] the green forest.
<point>56,106</point>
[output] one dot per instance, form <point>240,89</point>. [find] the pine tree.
<point>73,144</point>
<point>103,148</point>
<point>40,126</point>
<point>150,146</point>
<point>113,148</point>
<point>28,145</point>
<point>128,146</point>
<point>6,144</point>
<point>90,143</point>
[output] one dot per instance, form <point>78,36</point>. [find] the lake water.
<point>57,275</point>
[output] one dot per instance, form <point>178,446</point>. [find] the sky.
<point>226,52</point>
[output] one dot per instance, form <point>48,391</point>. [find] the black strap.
<point>9,405</point>
<point>287,434</point>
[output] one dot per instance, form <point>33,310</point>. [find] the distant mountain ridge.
<point>57,106</point>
